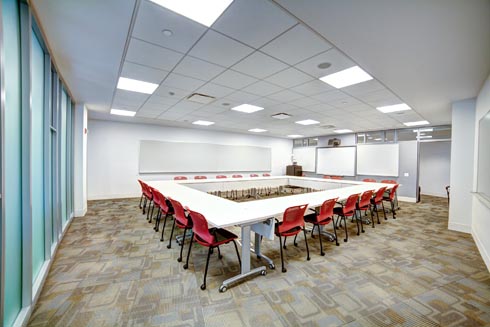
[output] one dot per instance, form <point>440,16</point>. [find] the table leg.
<point>257,244</point>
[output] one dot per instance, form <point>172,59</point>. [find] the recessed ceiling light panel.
<point>307,122</point>
<point>294,136</point>
<point>134,85</point>
<point>247,108</point>
<point>416,123</point>
<point>342,131</point>
<point>257,130</point>
<point>121,112</point>
<point>203,12</point>
<point>203,122</point>
<point>394,108</point>
<point>346,77</point>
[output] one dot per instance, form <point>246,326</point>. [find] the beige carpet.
<point>112,270</point>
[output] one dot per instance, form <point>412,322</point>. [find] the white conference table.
<point>257,215</point>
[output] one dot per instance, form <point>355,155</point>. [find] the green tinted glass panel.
<point>12,162</point>
<point>63,157</point>
<point>37,155</point>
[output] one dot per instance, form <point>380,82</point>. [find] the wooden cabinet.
<point>294,170</point>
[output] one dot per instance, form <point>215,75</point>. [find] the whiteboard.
<point>339,161</point>
<point>172,157</point>
<point>378,159</point>
<point>305,157</point>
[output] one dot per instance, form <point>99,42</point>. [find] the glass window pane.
<point>390,136</point>
<point>313,141</point>
<point>408,134</point>
<point>63,134</point>
<point>375,137</point>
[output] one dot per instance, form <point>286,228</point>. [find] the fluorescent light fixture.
<point>346,77</point>
<point>307,122</point>
<point>425,137</point>
<point>416,123</point>
<point>342,131</point>
<point>394,108</point>
<point>423,130</point>
<point>257,130</point>
<point>121,112</point>
<point>378,139</point>
<point>134,85</point>
<point>247,108</point>
<point>203,122</point>
<point>203,12</point>
<point>295,136</point>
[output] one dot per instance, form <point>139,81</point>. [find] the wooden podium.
<point>294,170</point>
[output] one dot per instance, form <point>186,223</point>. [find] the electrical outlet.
<point>406,174</point>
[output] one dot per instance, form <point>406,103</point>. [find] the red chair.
<point>221,176</point>
<point>337,177</point>
<point>164,208</point>
<point>179,178</point>
<point>200,177</point>
<point>254,175</point>
<point>327,177</point>
<point>182,221</point>
<point>377,200</point>
<point>292,223</point>
<point>323,218</point>
<point>144,194</point>
<point>347,210</point>
<point>148,198</point>
<point>209,237</point>
<point>364,204</point>
<point>370,180</point>
<point>391,198</point>
<point>388,181</point>
<point>237,176</point>
<point>266,174</point>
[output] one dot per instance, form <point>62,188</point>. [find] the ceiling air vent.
<point>281,115</point>
<point>201,98</point>
<point>327,126</point>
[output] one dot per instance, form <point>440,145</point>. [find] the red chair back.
<point>179,212</point>
<point>266,175</point>
<point>388,181</point>
<point>147,190</point>
<point>370,180</point>
<point>350,204</point>
<point>379,195</point>
<point>201,229</point>
<point>392,192</point>
<point>326,210</point>
<point>156,196</point>
<point>337,177</point>
<point>180,178</point>
<point>365,200</point>
<point>221,176</point>
<point>254,175</point>
<point>293,217</point>
<point>237,176</point>
<point>327,177</point>
<point>200,177</point>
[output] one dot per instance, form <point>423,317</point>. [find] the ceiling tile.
<point>170,92</point>
<point>326,97</point>
<point>311,88</point>
<point>262,88</point>
<point>284,96</point>
<point>363,88</point>
<point>185,83</point>
<point>128,100</point>
<point>147,54</point>
<point>152,19</point>
<point>264,102</point>
<point>197,68</point>
<point>297,44</point>
<point>259,65</point>
<point>162,100</point>
<point>322,108</point>
<point>215,90</point>
<point>289,78</point>
<point>219,49</point>
<point>234,79</point>
<point>305,101</point>
<point>143,73</point>
<point>337,60</point>
<point>254,22</point>
<point>242,97</point>
<point>148,114</point>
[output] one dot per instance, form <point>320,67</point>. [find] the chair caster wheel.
<point>186,266</point>
<point>203,287</point>
<point>345,240</point>
<point>259,257</point>
<point>222,288</point>
<point>169,246</point>
<point>272,266</point>
<point>284,270</point>
<point>179,259</point>
<point>263,272</point>
<point>322,254</point>
<point>161,240</point>
<point>363,231</point>
<point>308,259</point>
<point>220,257</point>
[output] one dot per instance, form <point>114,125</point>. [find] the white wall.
<point>481,210</point>
<point>462,151</point>
<point>435,161</point>
<point>80,160</point>
<point>113,150</point>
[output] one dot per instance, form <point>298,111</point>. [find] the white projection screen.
<point>172,157</point>
<point>378,159</point>
<point>339,161</point>
<point>305,157</point>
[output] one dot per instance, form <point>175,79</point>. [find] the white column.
<point>80,160</point>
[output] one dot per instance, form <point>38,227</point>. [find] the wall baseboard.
<point>439,195</point>
<point>113,196</point>
<point>484,254</point>
<point>407,199</point>
<point>81,212</point>
<point>459,227</point>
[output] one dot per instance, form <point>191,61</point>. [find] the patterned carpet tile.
<point>112,270</point>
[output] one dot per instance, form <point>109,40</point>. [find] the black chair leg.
<point>357,222</point>
<point>237,254</point>
<point>144,205</point>
<point>203,286</point>
<point>393,209</point>
<point>362,224</point>
<point>141,200</point>
<point>320,237</point>
<point>335,233</point>
<point>171,235</point>
<point>306,242</point>
<point>282,258</point>
<point>219,253</point>
<point>148,217</point>
<point>157,219</point>
<point>345,228</point>
<point>179,259</point>
<point>163,228</point>
<point>189,252</point>
<point>284,246</point>
<point>384,211</point>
